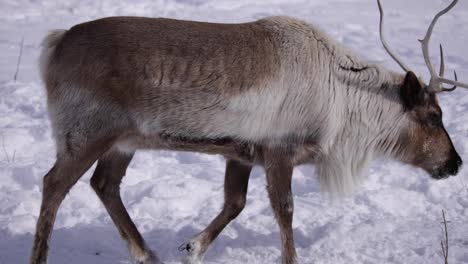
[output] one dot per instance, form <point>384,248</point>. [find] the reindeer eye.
<point>435,119</point>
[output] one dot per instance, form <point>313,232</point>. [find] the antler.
<point>435,84</point>
<point>384,42</point>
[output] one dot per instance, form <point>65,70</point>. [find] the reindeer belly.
<point>256,115</point>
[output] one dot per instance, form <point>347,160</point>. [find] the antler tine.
<point>456,83</point>
<point>384,42</point>
<point>441,75</point>
<point>454,87</point>
<point>435,83</point>
<point>441,78</point>
<point>442,65</point>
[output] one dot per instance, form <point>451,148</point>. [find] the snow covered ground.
<point>393,218</point>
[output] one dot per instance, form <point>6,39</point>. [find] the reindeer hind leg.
<point>67,170</point>
<point>105,181</point>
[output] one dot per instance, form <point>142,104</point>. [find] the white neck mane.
<point>354,109</point>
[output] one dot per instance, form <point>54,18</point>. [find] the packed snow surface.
<point>394,217</point>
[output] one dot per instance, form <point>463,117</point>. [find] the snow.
<point>393,218</point>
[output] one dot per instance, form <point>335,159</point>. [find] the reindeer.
<point>276,92</point>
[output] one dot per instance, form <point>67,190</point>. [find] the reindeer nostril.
<point>455,165</point>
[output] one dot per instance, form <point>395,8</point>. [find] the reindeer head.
<point>427,143</point>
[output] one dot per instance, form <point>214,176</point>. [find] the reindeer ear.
<point>412,93</point>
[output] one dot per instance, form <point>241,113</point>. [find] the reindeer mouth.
<point>441,174</point>
<point>451,168</point>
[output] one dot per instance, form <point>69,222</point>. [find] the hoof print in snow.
<point>189,247</point>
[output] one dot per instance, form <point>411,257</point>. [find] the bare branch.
<point>444,243</point>
<point>19,59</point>
<point>4,149</point>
